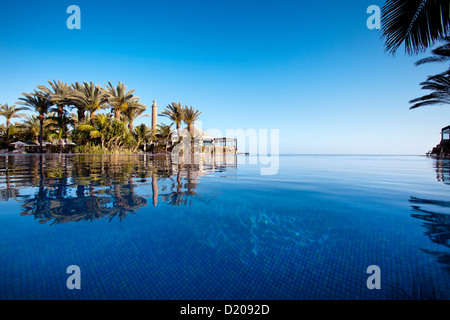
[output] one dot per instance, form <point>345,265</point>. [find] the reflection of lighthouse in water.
<point>155,190</point>
<point>443,171</point>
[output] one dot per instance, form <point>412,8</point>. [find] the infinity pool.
<point>140,227</point>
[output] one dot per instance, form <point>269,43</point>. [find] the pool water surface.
<point>143,227</point>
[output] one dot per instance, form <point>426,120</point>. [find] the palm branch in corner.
<point>416,23</point>
<point>440,85</point>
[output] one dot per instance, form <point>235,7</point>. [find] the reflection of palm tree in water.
<point>125,201</point>
<point>164,171</point>
<point>179,185</point>
<point>8,192</point>
<point>437,225</point>
<point>442,170</point>
<point>183,193</point>
<point>192,180</point>
<point>89,187</point>
<point>52,201</point>
<point>179,197</point>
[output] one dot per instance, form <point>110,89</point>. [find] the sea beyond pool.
<point>146,227</point>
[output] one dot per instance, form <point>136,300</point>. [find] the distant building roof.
<point>198,133</point>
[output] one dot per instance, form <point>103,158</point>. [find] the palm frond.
<point>440,87</point>
<point>191,115</point>
<point>95,134</point>
<point>440,54</point>
<point>174,112</point>
<point>415,23</point>
<point>119,98</point>
<point>86,127</point>
<point>38,100</point>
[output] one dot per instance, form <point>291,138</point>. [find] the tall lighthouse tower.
<point>154,115</point>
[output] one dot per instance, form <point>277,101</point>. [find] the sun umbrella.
<point>19,144</point>
<point>31,143</point>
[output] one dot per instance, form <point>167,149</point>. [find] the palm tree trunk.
<point>133,150</point>
<point>91,118</point>
<point>41,130</point>
<point>60,111</point>
<point>191,132</point>
<point>117,115</point>
<point>7,132</point>
<point>178,130</point>
<point>81,116</point>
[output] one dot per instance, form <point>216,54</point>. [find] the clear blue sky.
<point>311,69</point>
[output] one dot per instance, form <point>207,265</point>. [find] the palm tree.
<point>31,124</point>
<point>164,133</point>
<point>41,103</point>
<point>135,110</point>
<point>440,85</point>
<point>2,128</point>
<point>100,127</point>
<point>416,23</point>
<point>59,92</point>
<point>174,112</point>
<point>72,99</point>
<point>142,134</point>
<point>90,96</point>
<point>10,112</point>
<point>190,116</point>
<point>58,129</point>
<point>119,98</point>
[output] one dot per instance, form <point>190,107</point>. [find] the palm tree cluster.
<point>56,201</point>
<point>10,112</point>
<point>419,24</point>
<point>178,114</point>
<point>97,119</point>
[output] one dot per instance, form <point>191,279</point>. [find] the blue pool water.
<point>145,228</point>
